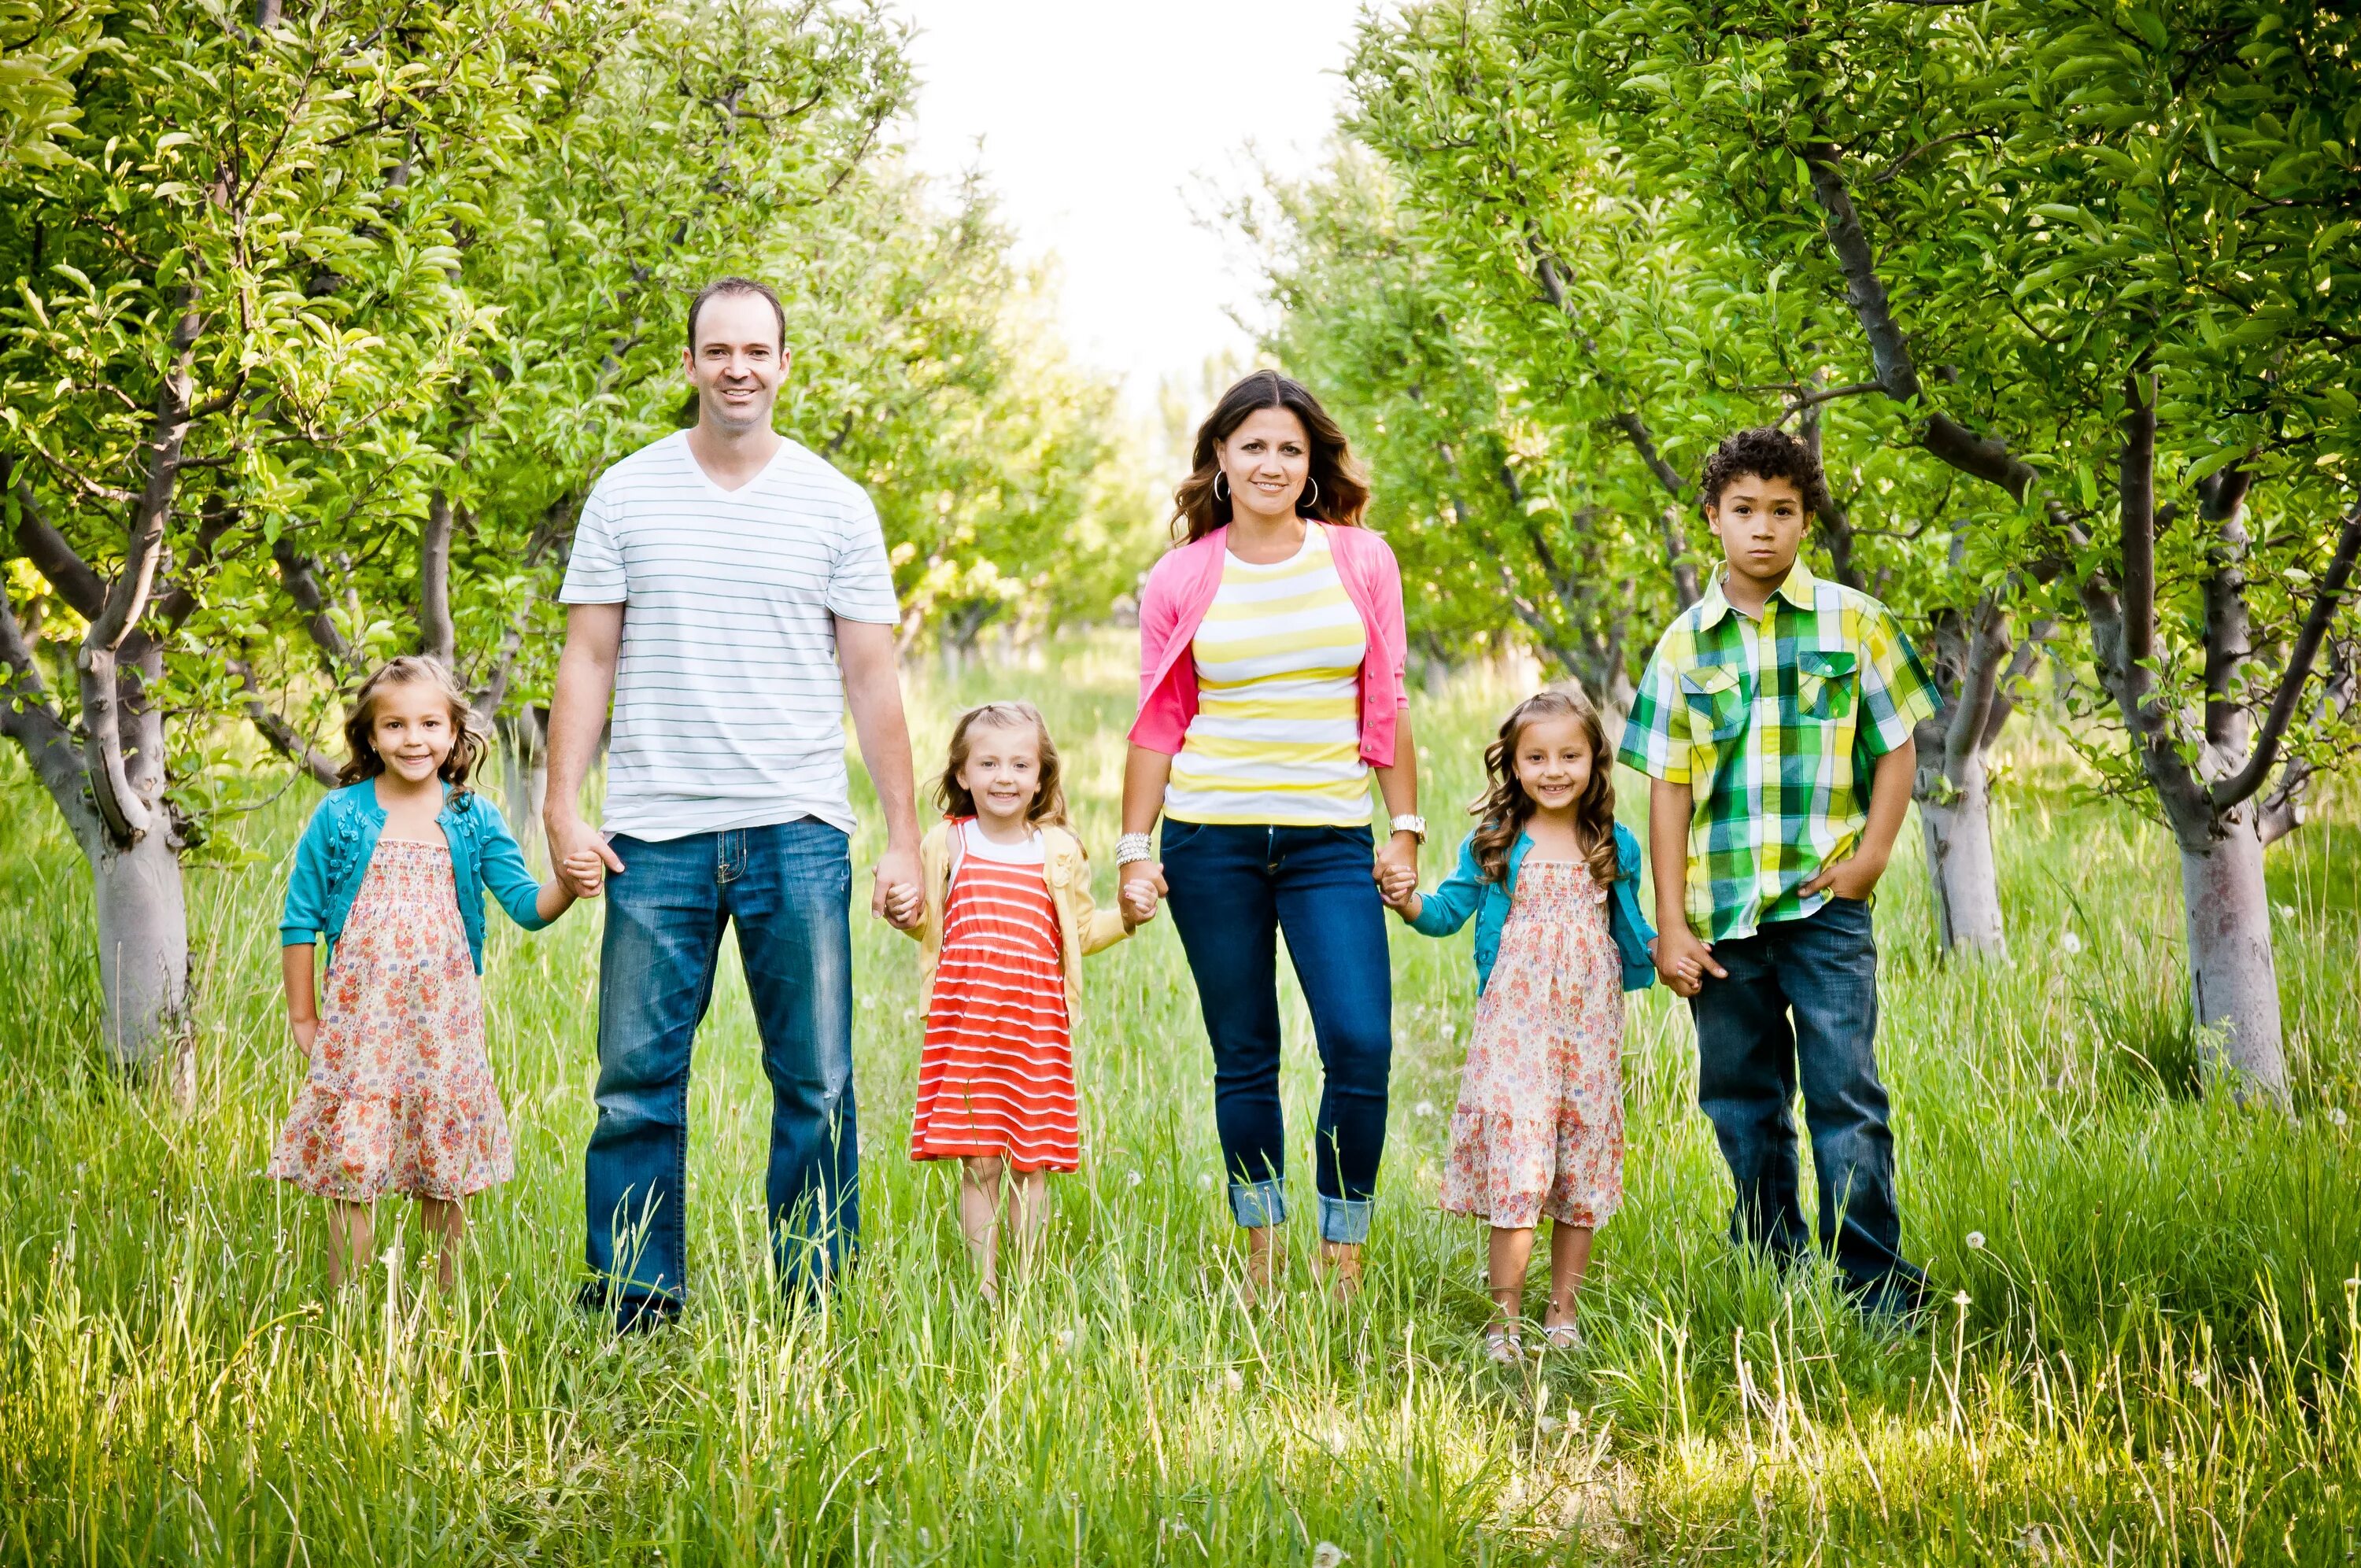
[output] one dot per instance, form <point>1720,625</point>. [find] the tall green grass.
<point>2145,1353</point>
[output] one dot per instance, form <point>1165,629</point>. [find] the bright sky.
<point>1101,123</point>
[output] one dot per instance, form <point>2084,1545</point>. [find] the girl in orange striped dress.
<point>1007,918</point>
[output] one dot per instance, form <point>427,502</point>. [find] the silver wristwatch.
<point>1413,823</point>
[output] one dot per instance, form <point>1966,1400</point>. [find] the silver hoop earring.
<point>1314,501</point>
<point>1218,477</point>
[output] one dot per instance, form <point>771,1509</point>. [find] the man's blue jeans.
<point>786,887</point>
<point>1234,890</point>
<point>1750,1058</point>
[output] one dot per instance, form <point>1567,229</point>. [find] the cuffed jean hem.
<point>1258,1203</point>
<point>1345,1220</point>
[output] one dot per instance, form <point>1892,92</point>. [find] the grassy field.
<point>2147,1352</point>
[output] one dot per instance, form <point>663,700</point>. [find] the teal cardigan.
<point>334,856</point>
<point>1464,892</point>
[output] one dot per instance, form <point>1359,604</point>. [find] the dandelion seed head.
<point>1328,1554</point>
<point>1233,1381</point>
<point>1065,1340</point>
<point>1961,1301</point>
<point>1204,1184</point>
<point>1975,1241</point>
<point>1424,1107</point>
<point>1134,1180</point>
<point>2069,943</point>
<point>2336,1116</point>
<point>2286,911</point>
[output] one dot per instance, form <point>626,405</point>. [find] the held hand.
<point>898,897</point>
<point>1397,885</point>
<point>1140,886</point>
<point>1683,961</point>
<point>1854,877</point>
<point>584,873</point>
<point>1138,900</point>
<point>574,843</point>
<point>305,1031</point>
<point>1397,856</point>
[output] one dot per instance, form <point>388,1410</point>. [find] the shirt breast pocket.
<point>1715,695</point>
<point>1828,684</point>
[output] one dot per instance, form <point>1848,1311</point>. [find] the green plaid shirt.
<point>1774,724</point>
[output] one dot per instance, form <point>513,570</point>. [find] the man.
<point>1775,719</point>
<point>731,591</point>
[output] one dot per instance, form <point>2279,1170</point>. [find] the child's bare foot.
<point>1340,1263</point>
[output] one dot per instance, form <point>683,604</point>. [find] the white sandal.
<point>1562,1336</point>
<point>1504,1346</point>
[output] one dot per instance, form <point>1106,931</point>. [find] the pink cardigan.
<point>1181,588</point>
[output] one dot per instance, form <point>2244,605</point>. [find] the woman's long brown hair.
<point>1506,807</point>
<point>1049,800</point>
<point>1339,490</point>
<point>468,739</point>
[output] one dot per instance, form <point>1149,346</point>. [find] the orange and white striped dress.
<point>996,1072</point>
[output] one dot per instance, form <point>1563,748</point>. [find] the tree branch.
<point>46,549</point>
<point>1988,649</point>
<point>436,636</point>
<point>1627,418</point>
<point>127,597</point>
<point>2325,601</point>
<point>295,574</point>
<point>2222,501</point>
<point>284,738</point>
<point>29,717</point>
<point>2136,490</point>
<point>1944,437</point>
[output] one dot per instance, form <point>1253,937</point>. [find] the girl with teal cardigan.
<point>390,873</point>
<point>1553,883</point>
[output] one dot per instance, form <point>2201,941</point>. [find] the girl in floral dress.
<point>391,872</point>
<point>1007,917</point>
<point>1553,882</point>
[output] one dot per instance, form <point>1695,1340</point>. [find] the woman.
<point>1271,655</point>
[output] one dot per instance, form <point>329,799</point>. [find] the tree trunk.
<point>1956,818</point>
<point>143,956</point>
<point>2234,991</point>
<point>524,759</point>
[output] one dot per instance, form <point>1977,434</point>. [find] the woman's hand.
<point>1141,887</point>
<point>1397,860</point>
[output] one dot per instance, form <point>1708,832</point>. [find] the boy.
<point>1761,709</point>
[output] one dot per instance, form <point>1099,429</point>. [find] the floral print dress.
<point>1539,1127</point>
<point>400,1095</point>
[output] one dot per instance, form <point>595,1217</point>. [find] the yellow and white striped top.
<point>1277,737</point>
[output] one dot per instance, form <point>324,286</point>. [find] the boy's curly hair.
<point>1767,453</point>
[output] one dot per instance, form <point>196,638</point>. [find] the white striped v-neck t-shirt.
<point>728,700</point>
<point>1277,738</point>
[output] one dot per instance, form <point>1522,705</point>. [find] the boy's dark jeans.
<point>1750,1057</point>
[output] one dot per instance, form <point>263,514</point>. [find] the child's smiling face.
<point>1002,772</point>
<point>1760,522</point>
<point>409,726</point>
<point>1554,763</point>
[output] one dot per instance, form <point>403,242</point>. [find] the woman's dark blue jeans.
<point>1233,891</point>
<point>785,888</point>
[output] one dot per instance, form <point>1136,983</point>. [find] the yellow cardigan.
<point>1083,927</point>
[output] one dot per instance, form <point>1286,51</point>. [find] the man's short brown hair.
<point>721,286</point>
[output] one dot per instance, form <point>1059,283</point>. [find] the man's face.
<point>1760,524</point>
<point>737,362</point>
